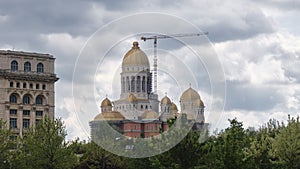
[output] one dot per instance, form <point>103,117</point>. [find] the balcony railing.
<point>26,72</point>
<point>21,74</point>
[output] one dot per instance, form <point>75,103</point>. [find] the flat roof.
<point>22,53</point>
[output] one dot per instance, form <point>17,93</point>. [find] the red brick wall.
<point>134,129</point>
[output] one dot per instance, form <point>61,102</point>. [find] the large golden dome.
<point>106,102</point>
<point>190,95</point>
<point>109,116</point>
<point>149,114</point>
<point>135,57</point>
<point>165,100</point>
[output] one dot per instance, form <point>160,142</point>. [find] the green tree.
<point>285,150</point>
<point>212,152</point>
<point>235,141</point>
<point>185,154</point>
<point>45,146</point>
<point>94,157</point>
<point>257,154</point>
<point>225,150</point>
<point>5,144</point>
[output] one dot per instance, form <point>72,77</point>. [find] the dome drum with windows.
<point>139,106</point>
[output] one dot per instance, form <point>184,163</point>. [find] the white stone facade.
<point>137,97</point>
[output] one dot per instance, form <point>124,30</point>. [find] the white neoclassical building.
<point>138,109</point>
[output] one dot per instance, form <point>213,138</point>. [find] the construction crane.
<point>155,37</point>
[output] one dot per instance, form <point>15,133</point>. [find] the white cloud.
<point>257,41</point>
<point>64,43</point>
<point>3,18</point>
<point>259,60</point>
<point>254,119</point>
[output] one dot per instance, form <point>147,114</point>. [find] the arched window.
<point>26,99</point>
<point>40,68</point>
<point>14,65</point>
<point>27,67</point>
<point>39,100</point>
<point>123,84</point>
<point>13,98</point>
<point>128,83</point>
<point>143,84</point>
<point>138,84</point>
<point>132,84</point>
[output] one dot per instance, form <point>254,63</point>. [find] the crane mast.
<point>155,37</point>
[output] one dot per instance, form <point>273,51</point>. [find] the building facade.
<point>138,112</point>
<point>26,88</point>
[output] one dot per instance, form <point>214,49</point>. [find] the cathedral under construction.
<point>139,112</point>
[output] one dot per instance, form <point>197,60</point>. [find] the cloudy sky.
<point>256,44</point>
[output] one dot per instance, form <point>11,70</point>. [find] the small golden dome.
<point>174,107</point>
<point>109,116</point>
<point>131,98</point>
<point>165,100</point>
<point>149,114</point>
<point>106,102</point>
<point>135,57</point>
<point>190,95</point>
<point>199,103</point>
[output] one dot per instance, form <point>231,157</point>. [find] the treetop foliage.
<point>274,145</point>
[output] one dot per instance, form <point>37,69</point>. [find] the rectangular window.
<point>11,84</point>
<point>13,112</point>
<point>26,123</point>
<point>13,137</point>
<point>39,113</point>
<point>13,122</point>
<point>26,112</point>
<point>37,121</point>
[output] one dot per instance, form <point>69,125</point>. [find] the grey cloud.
<point>281,5</point>
<point>251,97</point>
<point>45,17</point>
<point>227,29</point>
<point>25,21</point>
<point>224,21</point>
